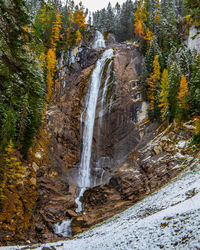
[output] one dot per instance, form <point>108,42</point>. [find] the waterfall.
<point>99,40</point>
<point>91,102</point>
<point>84,178</point>
<point>101,112</point>
<point>63,228</point>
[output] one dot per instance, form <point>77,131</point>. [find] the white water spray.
<point>84,180</point>
<point>84,170</point>
<point>99,40</point>
<point>101,112</point>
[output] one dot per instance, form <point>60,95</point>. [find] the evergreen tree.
<point>194,86</point>
<point>109,19</point>
<point>21,87</point>
<point>174,80</point>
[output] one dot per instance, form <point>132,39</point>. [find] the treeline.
<point>32,35</point>
<point>30,45</point>
<point>118,20</point>
<point>171,71</point>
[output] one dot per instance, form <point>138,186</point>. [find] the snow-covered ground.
<point>168,219</point>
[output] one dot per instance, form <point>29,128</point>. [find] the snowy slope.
<point>168,219</point>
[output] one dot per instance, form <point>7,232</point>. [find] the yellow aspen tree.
<point>140,18</point>
<point>148,36</point>
<point>12,169</point>
<point>78,36</point>
<point>139,31</point>
<point>183,93</point>
<point>57,25</point>
<point>153,82</point>
<point>164,103</point>
<point>79,19</point>
<point>51,64</point>
<point>156,19</point>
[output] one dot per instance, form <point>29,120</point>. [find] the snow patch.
<point>167,219</point>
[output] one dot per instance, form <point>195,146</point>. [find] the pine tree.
<point>193,7</point>
<point>194,84</point>
<point>21,86</point>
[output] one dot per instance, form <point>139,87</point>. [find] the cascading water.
<point>84,180</point>
<point>101,112</point>
<point>99,40</point>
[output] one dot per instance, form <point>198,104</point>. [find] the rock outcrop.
<point>146,169</point>
<point>194,39</point>
<point>57,150</point>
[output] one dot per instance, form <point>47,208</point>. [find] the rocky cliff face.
<point>194,39</point>
<point>145,170</point>
<point>58,148</point>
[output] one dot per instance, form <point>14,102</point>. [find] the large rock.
<point>194,39</point>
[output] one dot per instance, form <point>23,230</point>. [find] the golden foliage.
<point>57,25</point>
<point>164,103</point>
<point>11,169</point>
<point>183,93</point>
<point>17,194</point>
<point>197,125</point>
<point>148,36</point>
<point>140,18</point>
<point>153,81</point>
<point>156,19</point>
<point>51,64</point>
<point>79,19</point>
<point>78,36</point>
<point>44,16</point>
<point>139,31</point>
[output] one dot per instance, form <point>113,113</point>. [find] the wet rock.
<point>87,57</point>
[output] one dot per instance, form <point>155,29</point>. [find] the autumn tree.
<point>156,18</point>
<point>79,17</point>
<point>57,25</point>
<point>140,18</point>
<point>148,36</point>
<point>11,170</point>
<point>164,103</point>
<point>153,82</point>
<point>183,94</point>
